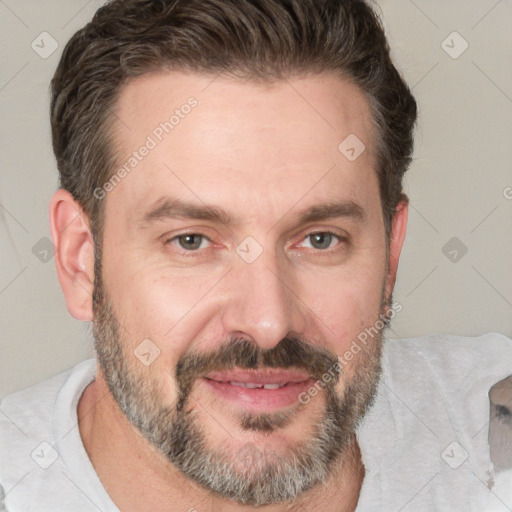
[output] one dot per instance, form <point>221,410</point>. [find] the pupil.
<point>321,240</point>
<point>190,241</point>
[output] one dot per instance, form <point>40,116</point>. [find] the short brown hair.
<point>249,39</point>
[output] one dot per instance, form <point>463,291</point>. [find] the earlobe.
<point>74,253</point>
<point>396,242</point>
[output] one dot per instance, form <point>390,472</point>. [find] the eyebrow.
<point>167,208</point>
<point>176,209</point>
<point>342,209</point>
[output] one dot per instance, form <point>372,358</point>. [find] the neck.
<point>121,456</point>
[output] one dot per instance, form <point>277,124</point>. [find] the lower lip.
<point>260,399</point>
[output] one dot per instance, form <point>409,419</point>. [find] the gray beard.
<point>249,476</point>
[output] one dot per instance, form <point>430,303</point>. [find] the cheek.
<point>152,302</point>
<point>345,303</point>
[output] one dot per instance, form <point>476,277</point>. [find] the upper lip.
<point>267,376</point>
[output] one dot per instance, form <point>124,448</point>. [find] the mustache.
<point>293,351</point>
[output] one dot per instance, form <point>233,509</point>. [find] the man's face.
<point>244,247</point>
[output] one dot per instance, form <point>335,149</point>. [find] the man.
<point>230,219</point>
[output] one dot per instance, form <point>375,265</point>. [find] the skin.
<point>264,154</point>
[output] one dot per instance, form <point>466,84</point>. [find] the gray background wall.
<point>460,183</point>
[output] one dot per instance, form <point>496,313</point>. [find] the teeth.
<point>273,386</point>
<point>251,385</point>
<point>245,385</point>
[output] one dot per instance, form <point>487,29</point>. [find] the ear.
<point>396,242</point>
<point>74,253</point>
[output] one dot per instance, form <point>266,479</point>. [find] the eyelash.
<point>329,233</point>
<point>185,252</point>
<point>182,235</point>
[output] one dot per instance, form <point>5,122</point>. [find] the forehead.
<point>242,143</point>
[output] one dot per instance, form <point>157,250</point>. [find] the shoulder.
<point>432,414</point>
<point>28,418</point>
<point>447,344</point>
<point>30,408</point>
<point>446,378</point>
<point>29,412</point>
<point>449,359</point>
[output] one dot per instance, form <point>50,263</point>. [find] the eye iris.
<point>321,240</point>
<point>190,242</point>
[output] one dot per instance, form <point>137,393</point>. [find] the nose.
<point>260,303</point>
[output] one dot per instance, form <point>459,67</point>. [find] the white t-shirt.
<point>424,443</point>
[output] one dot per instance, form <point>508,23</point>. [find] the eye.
<point>190,241</point>
<point>321,240</point>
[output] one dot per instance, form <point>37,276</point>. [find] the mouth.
<point>259,390</point>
